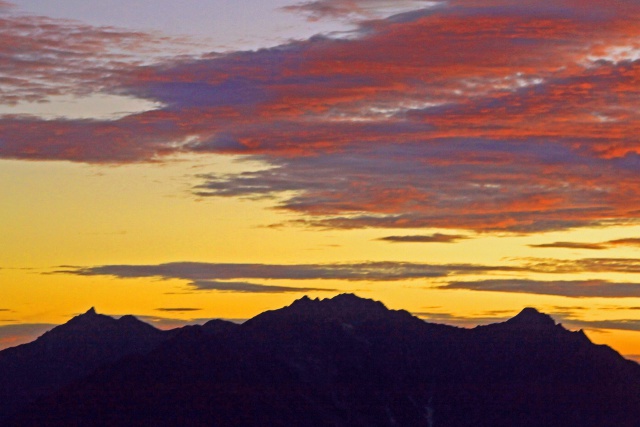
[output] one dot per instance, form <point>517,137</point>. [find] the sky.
<point>182,161</point>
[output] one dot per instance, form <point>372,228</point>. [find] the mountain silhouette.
<point>67,353</point>
<point>349,361</point>
<point>530,317</point>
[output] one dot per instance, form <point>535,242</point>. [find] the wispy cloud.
<point>43,57</point>
<point>432,238</point>
<point>572,245</point>
<point>355,9</point>
<point>178,309</point>
<point>592,246</point>
<point>230,277</point>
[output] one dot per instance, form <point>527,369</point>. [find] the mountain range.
<point>344,361</point>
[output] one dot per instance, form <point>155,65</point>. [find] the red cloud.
<point>484,115</point>
<point>43,56</point>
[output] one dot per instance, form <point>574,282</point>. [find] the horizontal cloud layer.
<point>207,275</point>
<point>433,238</point>
<point>252,288</point>
<point>230,277</point>
<point>566,288</point>
<point>594,246</point>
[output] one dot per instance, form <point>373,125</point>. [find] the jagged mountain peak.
<point>340,361</point>
<point>91,325</point>
<point>89,319</point>
<point>340,305</point>
<point>344,308</point>
<point>530,316</point>
<point>346,301</point>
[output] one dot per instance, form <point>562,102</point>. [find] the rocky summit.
<point>344,361</point>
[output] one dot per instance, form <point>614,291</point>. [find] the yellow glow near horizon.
<point>86,215</point>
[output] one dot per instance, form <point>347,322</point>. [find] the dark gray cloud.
<point>431,238</point>
<point>244,287</point>
<point>45,57</point>
<point>584,265</point>
<point>569,288</point>
<point>594,246</point>
<point>363,271</point>
<point>231,277</point>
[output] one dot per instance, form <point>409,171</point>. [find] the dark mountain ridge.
<point>67,353</point>
<point>349,361</point>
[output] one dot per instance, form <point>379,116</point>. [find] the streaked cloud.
<point>592,246</point>
<point>178,309</point>
<point>45,57</point>
<point>572,245</point>
<point>481,115</point>
<point>201,274</point>
<point>584,265</point>
<point>618,324</point>
<point>566,288</point>
<point>356,9</point>
<point>254,288</point>
<point>432,238</point>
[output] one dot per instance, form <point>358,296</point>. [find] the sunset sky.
<point>196,159</point>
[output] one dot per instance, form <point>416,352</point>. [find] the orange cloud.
<point>482,115</point>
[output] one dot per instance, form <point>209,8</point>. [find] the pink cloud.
<point>482,115</point>
<point>359,9</point>
<point>42,56</point>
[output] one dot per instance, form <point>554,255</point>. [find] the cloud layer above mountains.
<point>486,115</point>
<point>226,277</point>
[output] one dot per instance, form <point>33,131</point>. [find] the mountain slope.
<point>348,361</point>
<point>69,352</point>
